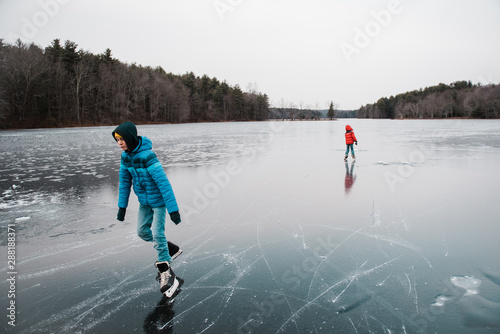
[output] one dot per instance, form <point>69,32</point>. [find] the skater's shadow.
<point>349,177</point>
<point>160,320</point>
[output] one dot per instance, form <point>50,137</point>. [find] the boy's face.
<point>121,143</point>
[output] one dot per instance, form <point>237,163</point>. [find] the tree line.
<point>292,114</point>
<point>458,99</point>
<point>62,86</point>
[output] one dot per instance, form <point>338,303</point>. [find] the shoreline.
<point>70,126</point>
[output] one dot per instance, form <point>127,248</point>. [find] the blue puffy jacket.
<point>142,169</point>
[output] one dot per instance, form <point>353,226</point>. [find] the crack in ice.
<point>345,280</point>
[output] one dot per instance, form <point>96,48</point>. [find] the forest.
<point>458,99</point>
<point>62,86</point>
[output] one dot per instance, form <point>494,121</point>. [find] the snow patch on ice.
<point>20,219</point>
<point>18,202</point>
<point>384,163</point>
<point>440,300</point>
<point>470,284</point>
<point>31,179</point>
<point>398,163</point>
<point>57,198</point>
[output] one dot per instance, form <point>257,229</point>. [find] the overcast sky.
<point>305,52</point>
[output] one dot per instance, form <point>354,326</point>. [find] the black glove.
<point>175,217</point>
<point>121,214</point>
<point>356,142</point>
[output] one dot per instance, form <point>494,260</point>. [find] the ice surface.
<point>279,234</point>
<point>479,312</point>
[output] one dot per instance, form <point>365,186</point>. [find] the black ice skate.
<point>173,250</point>
<point>168,281</point>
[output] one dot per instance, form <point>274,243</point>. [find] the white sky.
<point>305,52</point>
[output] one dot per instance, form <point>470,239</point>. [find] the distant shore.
<point>90,125</point>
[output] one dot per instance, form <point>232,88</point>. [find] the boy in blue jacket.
<point>141,169</point>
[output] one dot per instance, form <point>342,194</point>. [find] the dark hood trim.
<point>128,131</point>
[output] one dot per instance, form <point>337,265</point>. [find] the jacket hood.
<point>129,133</point>
<point>144,144</point>
<point>348,128</point>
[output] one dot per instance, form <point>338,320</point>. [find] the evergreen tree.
<point>331,111</point>
<point>70,56</point>
<point>106,56</point>
<point>54,51</point>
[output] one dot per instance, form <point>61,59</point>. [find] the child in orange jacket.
<point>350,139</point>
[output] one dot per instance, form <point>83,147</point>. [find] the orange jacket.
<point>350,138</point>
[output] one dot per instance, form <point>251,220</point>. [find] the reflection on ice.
<point>350,177</point>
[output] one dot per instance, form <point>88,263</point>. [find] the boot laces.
<point>165,276</point>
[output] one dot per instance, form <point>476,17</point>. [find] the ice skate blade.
<point>176,255</point>
<point>170,292</point>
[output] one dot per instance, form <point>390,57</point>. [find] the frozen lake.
<point>279,234</point>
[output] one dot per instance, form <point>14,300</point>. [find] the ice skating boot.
<point>345,157</point>
<point>168,281</point>
<point>173,250</point>
<point>354,157</point>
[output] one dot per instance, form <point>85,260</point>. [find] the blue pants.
<point>151,227</point>
<point>351,146</point>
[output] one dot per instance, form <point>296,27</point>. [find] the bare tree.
<point>81,70</point>
<point>24,67</point>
